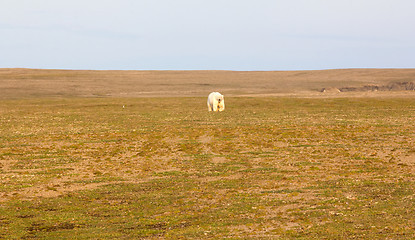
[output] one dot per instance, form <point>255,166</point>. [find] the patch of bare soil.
<point>408,159</point>
<point>330,90</point>
<point>394,86</point>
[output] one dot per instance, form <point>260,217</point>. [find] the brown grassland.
<point>30,83</point>
<point>136,155</point>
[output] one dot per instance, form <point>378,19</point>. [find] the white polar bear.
<point>216,102</point>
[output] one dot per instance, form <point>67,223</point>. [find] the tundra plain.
<point>136,155</point>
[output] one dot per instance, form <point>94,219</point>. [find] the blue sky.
<point>207,34</point>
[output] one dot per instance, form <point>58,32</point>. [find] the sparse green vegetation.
<point>289,168</point>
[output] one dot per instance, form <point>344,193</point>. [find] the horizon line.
<point>218,70</point>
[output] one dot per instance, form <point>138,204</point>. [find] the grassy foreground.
<point>166,168</point>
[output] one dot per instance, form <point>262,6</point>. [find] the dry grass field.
<point>32,83</point>
<point>118,155</point>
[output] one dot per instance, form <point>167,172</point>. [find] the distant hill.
<point>29,83</point>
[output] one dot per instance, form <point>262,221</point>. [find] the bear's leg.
<point>209,106</point>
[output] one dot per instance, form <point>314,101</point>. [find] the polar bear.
<point>216,102</point>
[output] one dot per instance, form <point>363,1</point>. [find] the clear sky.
<point>207,34</point>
